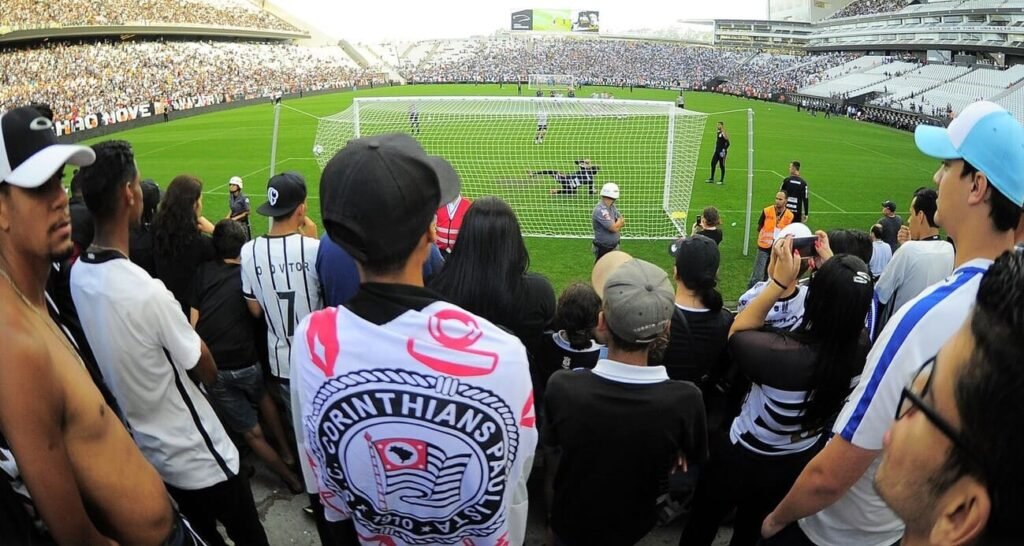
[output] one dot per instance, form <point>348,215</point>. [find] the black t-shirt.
<point>178,273</point>
<point>713,234</point>
<point>82,228</point>
<point>891,230</point>
<point>692,355</point>
<point>224,320</point>
<point>798,200</point>
<point>140,249</point>
<point>555,354</point>
<point>619,441</point>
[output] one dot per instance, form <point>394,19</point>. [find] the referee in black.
<point>721,151</point>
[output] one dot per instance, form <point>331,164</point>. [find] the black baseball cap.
<point>889,205</point>
<point>379,194</point>
<point>29,152</point>
<point>697,260</point>
<point>285,192</point>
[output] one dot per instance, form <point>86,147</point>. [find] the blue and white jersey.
<point>913,335</point>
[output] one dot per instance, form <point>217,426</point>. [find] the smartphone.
<point>805,246</point>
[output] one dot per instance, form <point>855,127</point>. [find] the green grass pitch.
<point>851,167</point>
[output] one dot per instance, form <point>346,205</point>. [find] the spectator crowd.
<point>85,78</point>
<point>22,14</point>
<point>870,7</point>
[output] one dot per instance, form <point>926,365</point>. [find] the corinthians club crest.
<point>419,457</point>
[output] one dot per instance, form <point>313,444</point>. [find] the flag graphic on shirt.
<point>420,472</point>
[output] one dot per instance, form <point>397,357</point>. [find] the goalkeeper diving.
<point>569,183</point>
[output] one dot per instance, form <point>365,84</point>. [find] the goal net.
<point>547,82</point>
<point>547,157</point>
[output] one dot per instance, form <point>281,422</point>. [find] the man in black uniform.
<point>570,182</point>
<point>798,196</point>
<point>721,151</point>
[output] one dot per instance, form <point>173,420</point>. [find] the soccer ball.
<point>318,150</point>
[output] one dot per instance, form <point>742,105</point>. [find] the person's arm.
<point>308,228</point>
<point>824,480</point>
<point>893,272</point>
<point>32,420</point>
<point>240,216</point>
<point>254,308</point>
<point>205,368</point>
<point>204,225</point>
<point>807,201</point>
<point>787,269</point>
<point>193,317</point>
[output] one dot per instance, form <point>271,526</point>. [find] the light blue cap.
<point>986,136</point>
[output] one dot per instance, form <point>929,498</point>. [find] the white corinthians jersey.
<point>279,272</point>
<point>421,429</point>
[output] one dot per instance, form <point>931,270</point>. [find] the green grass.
<point>851,167</point>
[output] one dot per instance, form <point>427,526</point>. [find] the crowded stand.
<point>80,78</point>
<point>768,74</point>
<point>26,14</point>
<point>592,62</point>
<point>870,7</point>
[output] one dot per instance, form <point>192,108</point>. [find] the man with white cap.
<point>238,204</point>
<point>981,191</point>
<point>63,450</point>
<point>623,426</point>
<point>608,221</point>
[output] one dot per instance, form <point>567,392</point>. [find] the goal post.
<point>547,82</point>
<point>548,157</point>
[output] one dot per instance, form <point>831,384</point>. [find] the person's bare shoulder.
<point>25,359</point>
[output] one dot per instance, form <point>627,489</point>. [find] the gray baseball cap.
<point>638,301</point>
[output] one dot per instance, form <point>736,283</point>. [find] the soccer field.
<point>851,167</point>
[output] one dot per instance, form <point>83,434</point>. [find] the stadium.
<point>217,89</point>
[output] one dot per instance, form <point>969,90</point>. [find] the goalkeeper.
<point>569,183</point>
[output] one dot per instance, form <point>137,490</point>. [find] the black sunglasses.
<point>913,396</point>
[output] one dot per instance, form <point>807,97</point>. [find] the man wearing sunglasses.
<point>980,193</point>
<point>951,467</point>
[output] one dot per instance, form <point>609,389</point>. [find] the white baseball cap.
<point>610,190</point>
<point>796,229</point>
<point>235,181</point>
<point>986,136</point>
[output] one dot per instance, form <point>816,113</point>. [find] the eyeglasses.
<point>913,397</point>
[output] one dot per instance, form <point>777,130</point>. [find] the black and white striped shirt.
<point>780,368</point>
<point>279,272</point>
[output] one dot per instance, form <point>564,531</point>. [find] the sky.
<point>373,21</point>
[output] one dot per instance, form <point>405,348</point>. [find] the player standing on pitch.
<point>542,127</point>
<point>721,151</point>
<point>414,118</point>
<point>608,221</point>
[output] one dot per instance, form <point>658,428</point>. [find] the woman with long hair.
<point>178,245</point>
<point>487,273</point>
<point>799,381</point>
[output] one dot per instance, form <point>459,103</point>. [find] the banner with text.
<point>85,122</point>
<point>556,20</point>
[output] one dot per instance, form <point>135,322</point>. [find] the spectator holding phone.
<point>707,225</point>
<point>799,381</point>
<point>789,308</point>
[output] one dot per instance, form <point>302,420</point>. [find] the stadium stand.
<point>86,78</point>
<point>870,7</point>
<point>592,61</point>
<point>22,14</point>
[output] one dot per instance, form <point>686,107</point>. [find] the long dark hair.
<point>838,299</point>
<point>485,272</point>
<point>174,225</point>
<point>697,261</point>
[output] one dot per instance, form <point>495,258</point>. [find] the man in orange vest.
<point>449,220</point>
<point>772,220</point>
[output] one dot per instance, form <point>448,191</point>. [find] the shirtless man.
<point>68,451</point>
